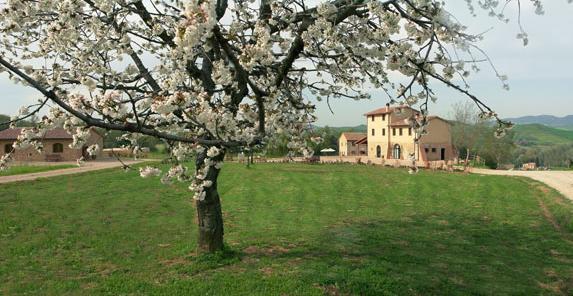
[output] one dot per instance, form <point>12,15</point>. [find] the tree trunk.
<point>209,214</point>
<point>467,160</point>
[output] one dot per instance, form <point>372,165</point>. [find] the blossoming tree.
<point>208,75</point>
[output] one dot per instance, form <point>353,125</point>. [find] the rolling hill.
<point>565,122</point>
<point>541,135</point>
<point>529,135</point>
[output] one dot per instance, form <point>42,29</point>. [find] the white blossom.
<point>204,82</point>
<point>213,152</point>
<point>93,150</point>
<point>148,171</point>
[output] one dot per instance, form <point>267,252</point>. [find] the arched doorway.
<point>85,153</point>
<point>378,151</point>
<point>397,153</point>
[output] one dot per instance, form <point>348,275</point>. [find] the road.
<point>562,181</point>
<point>86,167</point>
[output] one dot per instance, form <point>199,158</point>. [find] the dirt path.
<point>87,167</point>
<point>562,181</point>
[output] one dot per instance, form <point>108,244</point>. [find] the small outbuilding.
<point>353,144</point>
<point>56,144</point>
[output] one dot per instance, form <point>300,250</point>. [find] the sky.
<point>540,75</point>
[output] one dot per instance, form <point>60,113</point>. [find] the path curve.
<point>87,167</point>
<point>562,181</point>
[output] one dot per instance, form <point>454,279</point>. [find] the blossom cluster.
<point>201,181</point>
<point>229,73</point>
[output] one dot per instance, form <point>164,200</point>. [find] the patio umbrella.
<point>327,150</point>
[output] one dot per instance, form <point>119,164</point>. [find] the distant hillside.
<point>530,135</point>
<point>548,120</point>
<point>541,135</point>
<point>349,129</point>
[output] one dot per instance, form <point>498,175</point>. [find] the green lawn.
<point>28,169</point>
<point>291,230</point>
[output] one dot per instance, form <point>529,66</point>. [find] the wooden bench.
<point>53,157</point>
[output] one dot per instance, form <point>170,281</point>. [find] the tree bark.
<point>467,160</point>
<point>209,214</point>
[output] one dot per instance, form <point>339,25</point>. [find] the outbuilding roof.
<point>353,137</point>
<point>57,133</point>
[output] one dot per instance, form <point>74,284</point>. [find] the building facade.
<point>353,144</point>
<point>56,144</point>
<point>390,136</point>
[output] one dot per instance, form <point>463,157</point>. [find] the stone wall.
<point>68,154</point>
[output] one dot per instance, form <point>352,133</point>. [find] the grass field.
<point>28,169</point>
<point>541,135</point>
<point>290,230</point>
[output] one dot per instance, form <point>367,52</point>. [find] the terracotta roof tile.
<point>437,117</point>
<point>13,133</point>
<point>387,110</point>
<point>353,137</point>
<point>363,140</point>
<point>379,111</point>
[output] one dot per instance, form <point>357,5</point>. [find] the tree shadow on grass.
<point>443,255</point>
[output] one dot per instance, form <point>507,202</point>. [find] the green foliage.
<point>330,135</point>
<point>543,145</point>
<point>23,123</point>
<point>112,140</point>
<point>496,151</point>
<point>290,230</point>
<point>537,135</point>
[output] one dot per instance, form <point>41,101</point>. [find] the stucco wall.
<point>342,146</point>
<point>380,137</point>
<point>348,148</point>
<point>439,137</point>
<point>387,134</point>
<point>438,132</point>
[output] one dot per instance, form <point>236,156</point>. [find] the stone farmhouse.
<point>352,144</point>
<point>56,146</point>
<point>390,136</point>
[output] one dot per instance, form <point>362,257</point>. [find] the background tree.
<point>497,151</point>
<point>468,130</point>
<point>32,120</point>
<point>208,75</point>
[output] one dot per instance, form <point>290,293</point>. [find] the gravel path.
<point>87,167</point>
<point>562,181</point>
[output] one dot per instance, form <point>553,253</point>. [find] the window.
<point>383,117</point>
<point>7,148</point>
<point>393,132</point>
<point>433,150</point>
<point>373,131</point>
<point>383,131</point>
<point>378,151</point>
<point>409,131</point>
<point>397,152</point>
<point>400,131</point>
<point>372,117</point>
<point>58,148</point>
<point>426,150</point>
